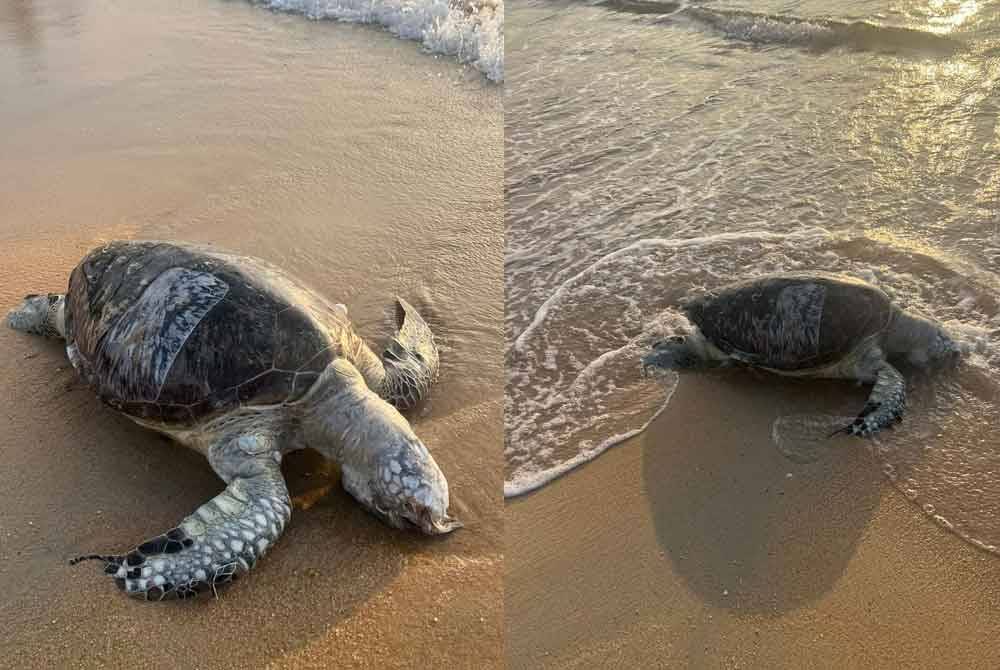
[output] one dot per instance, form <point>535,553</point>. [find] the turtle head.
<point>36,315</point>
<point>383,464</point>
<point>921,341</point>
<point>408,490</point>
<point>674,353</point>
<point>401,484</point>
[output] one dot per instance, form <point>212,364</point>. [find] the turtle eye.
<point>677,339</point>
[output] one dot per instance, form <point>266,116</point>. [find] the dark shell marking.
<point>172,334</point>
<point>791,322</point>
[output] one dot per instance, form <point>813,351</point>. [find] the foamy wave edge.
<point>470,31</point>
<point>526,482</point>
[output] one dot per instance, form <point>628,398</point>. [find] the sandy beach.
<point>363,166</point>
<point>698,545</point>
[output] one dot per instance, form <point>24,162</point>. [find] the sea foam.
<point>470,31</point>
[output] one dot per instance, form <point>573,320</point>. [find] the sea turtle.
<point>231,357</point>
<point>810,325</point>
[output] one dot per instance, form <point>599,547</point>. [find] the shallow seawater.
<point>655,150</point>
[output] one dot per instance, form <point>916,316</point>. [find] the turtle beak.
<point>440,526</point>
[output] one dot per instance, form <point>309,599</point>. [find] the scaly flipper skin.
<point>885,404</point>
<point>410,359</point>
<point>223,538</point>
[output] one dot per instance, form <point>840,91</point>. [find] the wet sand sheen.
<point>690,546</point>
<point>349,158</point>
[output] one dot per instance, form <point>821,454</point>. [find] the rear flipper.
<point>410,359</point>
<point>885,404</point>
<point>222,539</point>
<point>40,315</point>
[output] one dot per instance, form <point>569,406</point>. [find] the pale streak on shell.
<point>141,347</point>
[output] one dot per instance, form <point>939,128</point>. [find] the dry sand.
<point>366,168</point>
<point>697,545</point>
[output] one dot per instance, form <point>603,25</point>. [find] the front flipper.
<point>410,359</point>
<point>222,539</point>
<point>885,404</point>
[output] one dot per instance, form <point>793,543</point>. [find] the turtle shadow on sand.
<point>743,534</point>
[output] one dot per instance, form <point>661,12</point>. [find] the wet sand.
<point>698,545</point>
<point>361,165</point>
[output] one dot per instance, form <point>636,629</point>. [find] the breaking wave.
<point>813,34</point>
<point>470,30</point>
